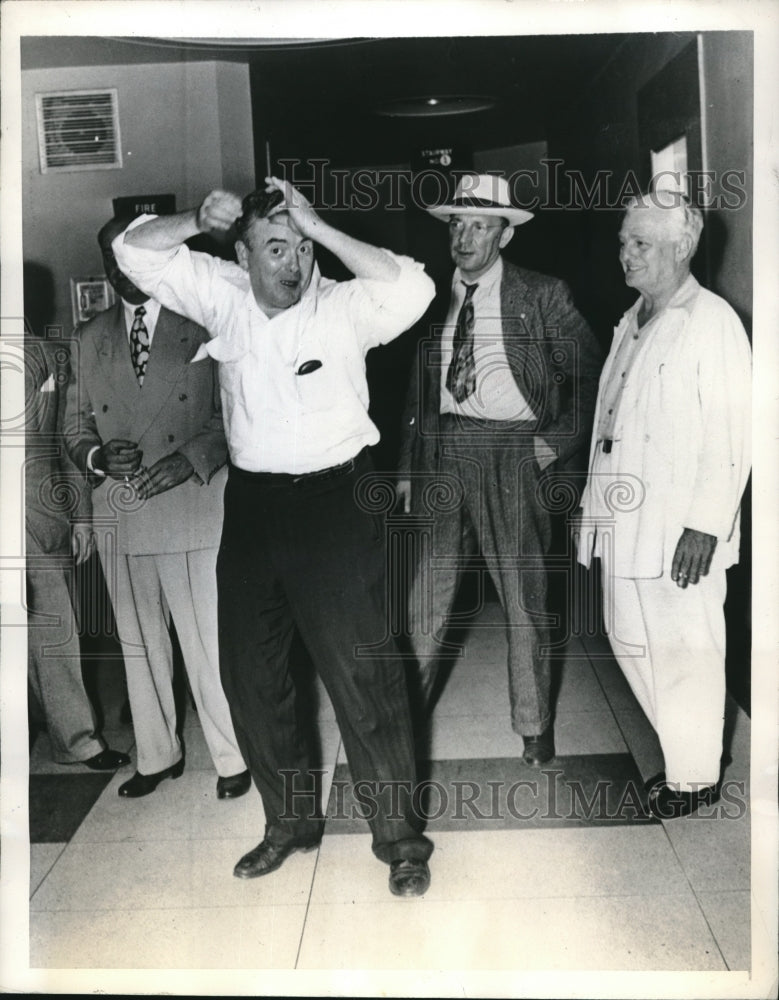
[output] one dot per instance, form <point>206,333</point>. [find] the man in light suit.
<point>53,497</point>
<point>668,465</point>
<point>143,422</point>
<point>501,394</point>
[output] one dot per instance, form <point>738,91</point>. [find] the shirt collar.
<point>151,316</point>
<point>486,282</point>
<point>683,298</point>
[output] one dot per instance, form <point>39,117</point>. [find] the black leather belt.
<point>288,479</point>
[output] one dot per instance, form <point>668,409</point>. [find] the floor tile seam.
<point>64,846</point>
<point>681,865</point>
<point>80,841</point>
<point>308,908</point>
<point>164,909</point>
<point>517,898</point>
<point>711,929</point>
<point>471,900</point>
<point>157,840</point>
<point>538,832</point>
<point>72,773</point>
<point>611,704</point>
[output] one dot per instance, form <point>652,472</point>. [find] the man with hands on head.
<point>143,420</point>
<point>668,465</point>
<point>298,550</point>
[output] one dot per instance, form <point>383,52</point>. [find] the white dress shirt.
<point>497,396</point>
<point>150,317</point>
<point>276,418</point>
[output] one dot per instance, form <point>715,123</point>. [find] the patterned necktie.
<point>139,344</point>
<point>461,376</point>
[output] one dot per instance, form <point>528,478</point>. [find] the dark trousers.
<point>301,553</point>
<point>496,508</point>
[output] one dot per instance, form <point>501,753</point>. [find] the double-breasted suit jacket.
<point>177,409</point>
<point>158,554</point>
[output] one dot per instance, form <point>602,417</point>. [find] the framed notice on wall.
<point>90,296</point>
<point>131,206</point>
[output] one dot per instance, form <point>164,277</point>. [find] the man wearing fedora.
<point>502,392</point>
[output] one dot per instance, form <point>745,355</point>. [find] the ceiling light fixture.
<point>430,107</point>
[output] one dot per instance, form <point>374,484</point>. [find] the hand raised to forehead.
<point>219,211</point>
<point>297,206</point>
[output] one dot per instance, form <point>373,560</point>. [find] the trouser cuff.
<point>410,849</point>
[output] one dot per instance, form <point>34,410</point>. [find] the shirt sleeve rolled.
<point>382,310</point>
<point>188,283</point>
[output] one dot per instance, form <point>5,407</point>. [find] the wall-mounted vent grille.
<point>78,130</point>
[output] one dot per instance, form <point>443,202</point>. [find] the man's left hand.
<point>170,471</point>
<point>692,559</point>
<point>297,205</point>
<point>82,541</point>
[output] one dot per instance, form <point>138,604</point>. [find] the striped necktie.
<point>461,376</point>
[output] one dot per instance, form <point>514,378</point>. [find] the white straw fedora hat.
<point>482,194</point>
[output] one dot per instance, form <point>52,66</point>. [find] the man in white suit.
<point>668,465</point>
<point>143,421</point>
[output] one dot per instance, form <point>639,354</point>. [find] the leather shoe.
<point>233,786</point>
<point>107,760</point>
<point>409,877</point>
<point>144,784</point>
<point>266,858</point>
<point>665,802</point>
<point>539,749</point>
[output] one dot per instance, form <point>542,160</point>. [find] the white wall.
<point>235,127</point>
<point>185,129</point>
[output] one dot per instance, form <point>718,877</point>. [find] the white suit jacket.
<point>681,437</point>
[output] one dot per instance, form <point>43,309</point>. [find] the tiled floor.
<point>147,884</point>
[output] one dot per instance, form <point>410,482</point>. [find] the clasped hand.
<point>164,475</point>
<point>121,459</point>
<point>220,209</point>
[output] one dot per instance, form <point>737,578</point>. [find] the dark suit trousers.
<point>304,554</point>
<point>496,509</point>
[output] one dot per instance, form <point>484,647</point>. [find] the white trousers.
<point>147,592</point>
<point>670,644</point>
